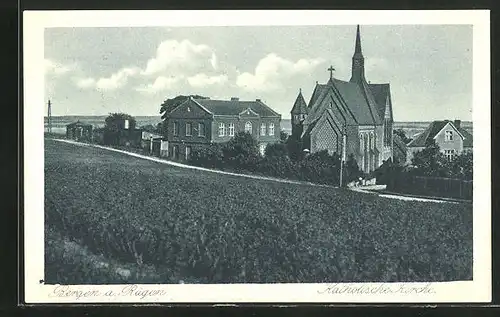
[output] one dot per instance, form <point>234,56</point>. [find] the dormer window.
<point>448,135</point>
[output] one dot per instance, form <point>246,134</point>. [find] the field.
<point>204,227</point>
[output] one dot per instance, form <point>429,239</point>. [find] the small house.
<point>79,131</point>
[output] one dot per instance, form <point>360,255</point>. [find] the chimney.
<point>235,98</point>
<point>456,123</point>
<point>258,100</point>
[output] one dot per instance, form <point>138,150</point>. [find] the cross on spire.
<point>331,70</point>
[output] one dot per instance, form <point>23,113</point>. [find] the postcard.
<point>257,156</point>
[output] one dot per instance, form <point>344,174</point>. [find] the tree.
<point>115,125</point>
<point>276,150</point>
<point>241,152</point>
<point>294,147</point>
<point>402,134</point>
<point>352,171</point>
<point>283,136</point>
<point>115,122</point>
<point>170,104</point>
<point>430,161</point>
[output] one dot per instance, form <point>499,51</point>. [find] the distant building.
<point>196,123</point>
<point>79,131</point>
<point>451,138</point>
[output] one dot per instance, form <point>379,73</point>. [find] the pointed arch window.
<point>361,143</point>
<point>372,141</point>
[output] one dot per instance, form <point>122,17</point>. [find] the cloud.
<point>202,80</point>
<point>272,70</point>
<point>173,56</point>
<point>113,82</point>
<point>56,68</point>
<point>117,80</point>
<point>161,83</point>
<point>85,82</point>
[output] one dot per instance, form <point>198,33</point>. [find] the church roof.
<point>318,90</point>
<point>299,107</point>
<point>235,107</point>
<point>352,94</point>
<point>433,129</point>
<point>380,93</point>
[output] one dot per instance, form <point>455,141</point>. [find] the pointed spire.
<point>358,61</point>
<point>300,106</point>
<point>357,49</point>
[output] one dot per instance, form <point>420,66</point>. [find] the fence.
<point>431,186</point>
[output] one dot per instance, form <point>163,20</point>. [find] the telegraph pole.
<point>49,117</point>
<point>343,158</point>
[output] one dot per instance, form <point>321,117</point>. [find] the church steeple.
<point>358,61</point>
<point>299,113</point>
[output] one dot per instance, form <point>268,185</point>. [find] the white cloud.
<point>161,83</point>
<point>85,82</point>
<point>56,68</point>
<point>117,80</point>
<point>202,80</point>
<point>213,61</point>
<point>173,56</point>
<point>272,70</point>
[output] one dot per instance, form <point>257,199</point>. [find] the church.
<point>347,117</point>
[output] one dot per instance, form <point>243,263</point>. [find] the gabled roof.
<point>318,90</point>
<point>380,93</point>
<point>432,130</point>
<point>300,106</point>
<point>398,142</point>
<point>359,100</point>
<point>468,139</point>
<point>235,107</point>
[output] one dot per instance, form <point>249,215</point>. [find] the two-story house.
<point>196,123</point>
<point>449,135</point>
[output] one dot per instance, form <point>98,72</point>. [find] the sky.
<point>96,71</point>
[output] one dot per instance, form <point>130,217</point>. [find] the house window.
<point>448,135</point>
<point>271,128</point>
<point>188,129</point>
<point>262,129</point>
<point>188,152</point>
<point>176,128</point>
<point>231,129</point>
<point>248,127</point>
<point>450,154</point>
<point>175,151</point>
<point>201,129</point>
<point>222,129</point>
<point>262,149</point>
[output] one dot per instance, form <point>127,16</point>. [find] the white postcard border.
<point>478,290</point>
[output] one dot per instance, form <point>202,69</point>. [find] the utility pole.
<point>343,158</point>
<point>49,117</point>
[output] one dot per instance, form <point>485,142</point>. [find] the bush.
<point>276,149</point>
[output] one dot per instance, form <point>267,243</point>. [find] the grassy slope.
<point>226,229</point>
